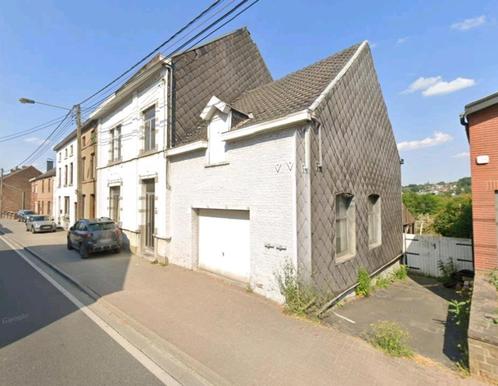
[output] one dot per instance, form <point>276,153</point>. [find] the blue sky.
<point>431,57</point>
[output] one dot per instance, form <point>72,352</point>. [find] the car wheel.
<point>117,250</point>
<point>33,230</point>
<point>69,246</point>
<point>83,251</point>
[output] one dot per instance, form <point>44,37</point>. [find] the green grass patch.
<point>391,338</point>
<point>364,287</point>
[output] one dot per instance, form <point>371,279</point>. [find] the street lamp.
<point>32,102</point>
<point>76,109</point>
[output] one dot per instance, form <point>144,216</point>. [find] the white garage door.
<point>224,242</point>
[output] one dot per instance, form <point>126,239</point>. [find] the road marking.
<point>343,317</point>
<point>150,365</point>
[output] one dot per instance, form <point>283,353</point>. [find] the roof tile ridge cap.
<point>339,75</point>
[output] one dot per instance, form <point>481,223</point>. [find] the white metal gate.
<point>423,253</point>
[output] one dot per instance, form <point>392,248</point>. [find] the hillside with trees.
<point>447,211</point>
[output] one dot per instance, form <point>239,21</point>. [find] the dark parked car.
<point>38,223</point>
<point>23,213</point>
<point>96,235</point>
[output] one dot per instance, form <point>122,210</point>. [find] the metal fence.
<point>423,253</point>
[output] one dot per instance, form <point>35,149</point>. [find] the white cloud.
<point>467,24</point>
<point>423,84</point>
<point>401,40</point>
<point>463,154</point>
<point>35,140</point>
<point>442,87</point>
<point>437,139</point>
<point>435,85</point>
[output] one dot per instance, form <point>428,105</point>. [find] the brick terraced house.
<point>42,191</point>
<point>17,188</point>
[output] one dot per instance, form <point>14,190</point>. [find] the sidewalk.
<point>240,336</point>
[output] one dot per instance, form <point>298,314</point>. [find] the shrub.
<point>391,338</point>
<point>401,273</point>
<point>364,286</point>
<point>298,297</point>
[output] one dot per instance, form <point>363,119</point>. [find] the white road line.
<point>343,317</point>
<point>162,375</point>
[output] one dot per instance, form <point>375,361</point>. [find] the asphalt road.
<point>46,340</point>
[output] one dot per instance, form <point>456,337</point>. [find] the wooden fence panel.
<point>423,253</point>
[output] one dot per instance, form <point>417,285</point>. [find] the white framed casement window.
<point>114,202</point>
<point>149,135</point>
<point>115,143</point>
<point>345,228</point>
<point>374,221</point>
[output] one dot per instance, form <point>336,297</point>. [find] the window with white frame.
<point>114,199</point>
<point>374,221</point>
<point>149,118</point>
<point>116,143</point>
<point>71,151</point>
<point>345,237</point>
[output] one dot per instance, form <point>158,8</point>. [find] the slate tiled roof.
<point>225,67</point>
<point>50,173</point>
<point>292,93</point>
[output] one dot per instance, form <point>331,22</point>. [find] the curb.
<point>159,348</point>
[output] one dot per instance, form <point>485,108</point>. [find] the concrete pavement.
<point>237,336</point>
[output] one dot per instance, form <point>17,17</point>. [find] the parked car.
<point>37,223</point>
<point>21,215</point>
<point>95,235</point>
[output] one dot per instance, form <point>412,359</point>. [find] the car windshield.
<point>39,218</point>
<point>28,212</point>
<point>101,226</point>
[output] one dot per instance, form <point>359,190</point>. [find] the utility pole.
<point>79,196</point>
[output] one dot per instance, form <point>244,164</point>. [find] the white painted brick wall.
<point>260,177</point>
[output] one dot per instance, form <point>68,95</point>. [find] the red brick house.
<point>481,122</point>
<point>17,188</point>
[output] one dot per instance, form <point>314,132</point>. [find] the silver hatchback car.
<point>38,223</point>
<point>95,235</point>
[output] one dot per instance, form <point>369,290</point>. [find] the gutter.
<point>465,123</point>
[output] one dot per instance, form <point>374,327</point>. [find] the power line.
<point>45,141</point>
<point>185,44</point>
<point>41,126</point>
<point>153,51</point>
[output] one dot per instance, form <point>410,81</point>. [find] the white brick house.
<point>65,185</point>
<point>131,166</point>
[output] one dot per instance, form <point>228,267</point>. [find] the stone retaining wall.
<point>483,332</point>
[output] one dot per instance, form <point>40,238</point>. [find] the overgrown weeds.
<point>448,271</point>
<point>493,278</point>
<point>299,298</point>
<point>460,311</point>
<point>401,273</point>
<point>364,287</point>
<point>391,338</point>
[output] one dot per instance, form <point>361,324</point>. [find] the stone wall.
<point>483,332</point>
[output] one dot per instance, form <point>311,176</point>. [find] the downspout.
<point>465,123</point>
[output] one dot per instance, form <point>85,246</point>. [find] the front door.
<point>149,213</point>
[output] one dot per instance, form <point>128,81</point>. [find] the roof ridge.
<point>301,70</point>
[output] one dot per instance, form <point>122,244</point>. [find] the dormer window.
<point>216,146</point>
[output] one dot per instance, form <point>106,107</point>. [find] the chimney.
<point>50,164</point>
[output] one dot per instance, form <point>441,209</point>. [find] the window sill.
<point>214,165</point>
<point>114,162</point>
<point>373,246</point>
<point>344,258</point>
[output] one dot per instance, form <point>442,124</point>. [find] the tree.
<point>454,219</point>
<point>422,203</point>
